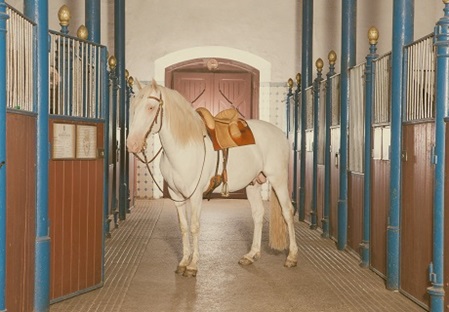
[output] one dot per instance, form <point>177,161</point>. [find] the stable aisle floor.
<point>143,253</point>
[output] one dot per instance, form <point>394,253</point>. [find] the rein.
<point>145,160</point>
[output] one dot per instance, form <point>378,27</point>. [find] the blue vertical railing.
<point>332,57</point>
<point>316,102</point>
<point>403,17</point>
<point>373,35</point>
<point>37,10</point>
<point>306,81</point>
<point>436,270</point>
<point>348,44</point>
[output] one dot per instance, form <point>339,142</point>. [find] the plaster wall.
<point>270,30</point>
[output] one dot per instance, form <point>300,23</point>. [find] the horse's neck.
<point>178,154</point>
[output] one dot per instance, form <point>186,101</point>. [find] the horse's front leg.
<point>195,203</point>
<point>184,227</point>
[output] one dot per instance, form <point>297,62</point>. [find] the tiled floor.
<point>143,253</point>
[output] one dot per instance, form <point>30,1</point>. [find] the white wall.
<point>267,29</point>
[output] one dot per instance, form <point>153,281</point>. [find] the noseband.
<point>159,111</point>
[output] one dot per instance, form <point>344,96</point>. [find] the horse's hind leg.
<point>255,200</point>
<point>281,190</point>
<point>184,227</point>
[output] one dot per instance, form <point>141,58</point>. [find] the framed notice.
<point>63,141</point>
<point>86,142</point>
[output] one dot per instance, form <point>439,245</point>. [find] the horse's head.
<point>145,116</point>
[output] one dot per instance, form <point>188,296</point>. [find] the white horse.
<point>188,162</point>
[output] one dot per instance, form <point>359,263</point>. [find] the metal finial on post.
<point>290,83</point>
<point>373,35</point>
<point>64,19</point>
<point>332,57</point>
<point>82,32</point>
<point>298,79</point>
<point>112,62</point>
<point>319,65</point>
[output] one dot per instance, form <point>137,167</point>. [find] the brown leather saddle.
<point>225,130</point>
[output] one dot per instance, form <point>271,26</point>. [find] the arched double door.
<point>217,84</point>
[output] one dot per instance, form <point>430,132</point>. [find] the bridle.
<point>145,159</point>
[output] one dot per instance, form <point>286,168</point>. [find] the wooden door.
<point>380,198</point>
<point>416,211</point>
<point>217,92</point>
<point>335,181</point>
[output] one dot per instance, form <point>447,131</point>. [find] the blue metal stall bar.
<point>403,15</point>
<point>436,270</point>
<point>348,49</point>
<point>373,36</point>
<point>316,102</point>
<point>120,55</point>
<point>93,20</point>
<point>332,57</point>
<point>306,74</point>
<point>37,10</point>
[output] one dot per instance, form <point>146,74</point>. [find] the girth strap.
<point>217,179</point>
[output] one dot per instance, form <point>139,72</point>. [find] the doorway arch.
<point>221,52</point>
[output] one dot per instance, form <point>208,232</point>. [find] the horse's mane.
<point>185,123</point>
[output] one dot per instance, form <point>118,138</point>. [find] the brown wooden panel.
<point>233,90</point>
<point>416,218</point>
<point>298,177</point>
<point>20,211</point>
<point>320,195</point>
<point>380,203</point>
<point>335,181</point>
<point>308,187</point>
<point>197,88</point>
<point>355,210</point>
<point>76,211</point>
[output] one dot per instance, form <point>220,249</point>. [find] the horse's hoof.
<point>290,263</point>
<point>190,273</point>
<point>245,261</point>
<point>180,269</point>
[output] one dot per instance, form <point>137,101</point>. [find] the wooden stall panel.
<point>380,203</point>
<point>417,201</point>
<point>20,211</point>
<point>335,180</point>
<point>309,187</point>
<point>355,210</point>
<point>76,227</point>
<point>320,195</point>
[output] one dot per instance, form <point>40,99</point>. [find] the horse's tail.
<point>278,227</point>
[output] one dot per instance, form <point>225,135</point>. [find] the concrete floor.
<point>142,255</point>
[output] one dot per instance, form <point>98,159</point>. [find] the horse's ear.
<point>139,86</point>
<point>154,84</point>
